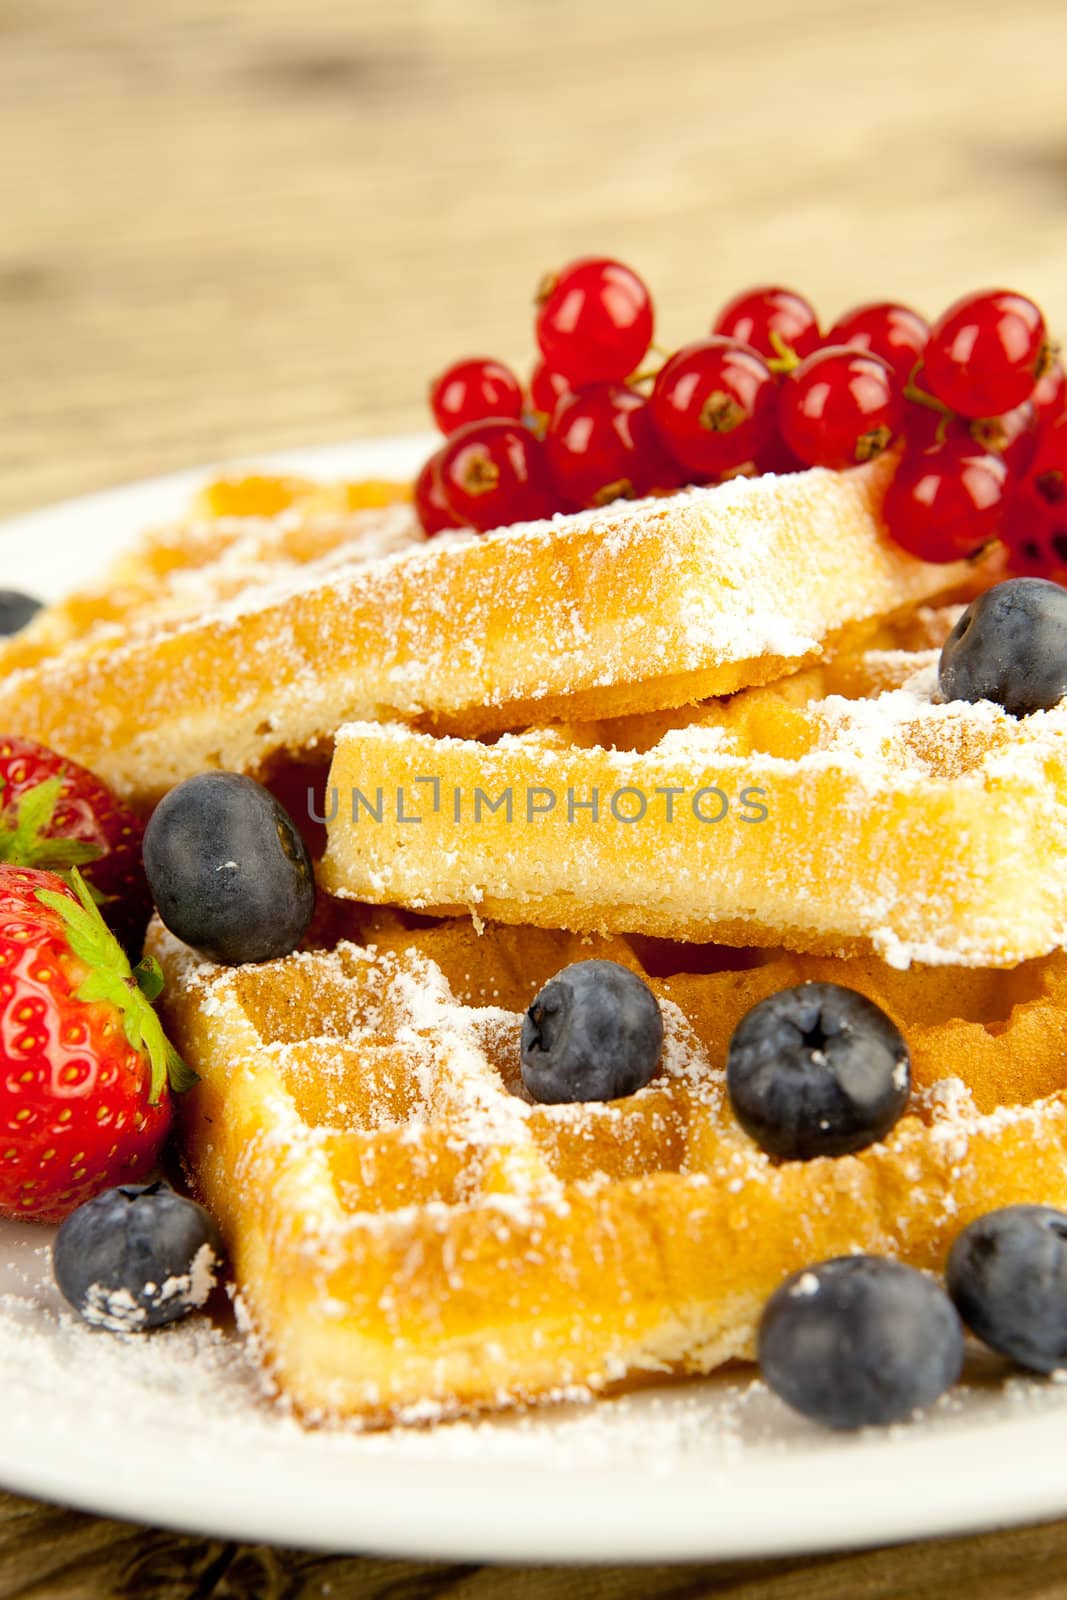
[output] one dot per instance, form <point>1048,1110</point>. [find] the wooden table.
<point>231,227</point>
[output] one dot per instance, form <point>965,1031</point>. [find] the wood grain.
<point>228,226</point>
<point>49,1554</point>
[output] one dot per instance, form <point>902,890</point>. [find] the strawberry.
<point>85,1069</point>
<point>56,815</point>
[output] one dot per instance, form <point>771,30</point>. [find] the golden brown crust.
<point>411,1238</point>
<point>241,533</point>
<point>839,810</point>
<point>629,608</point>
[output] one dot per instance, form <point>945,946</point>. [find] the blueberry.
<point>137,1257</point>
<point>818,1070</point>
<point>859,1341</point>
<point>1010,646</point>
<point>593,1033</point>
<point>228,871</point>
<point>1007,1273</point>
<point>16,610</point>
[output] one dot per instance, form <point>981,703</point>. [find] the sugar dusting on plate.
<point>197,1388</point>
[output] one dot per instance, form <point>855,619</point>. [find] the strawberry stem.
<point>24,837</point>
<point>111,979</point>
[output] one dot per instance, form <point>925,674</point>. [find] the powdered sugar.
<point>805,1286</point>
<point>932,832</point>
<point>548,1183</point>
<point>623,606</point>
<point>118,1310</point>
<point>192,1288</point>
<point>115,1309</point>
<point>195,1392</point>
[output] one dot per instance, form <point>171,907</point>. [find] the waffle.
<point>855,812</point>
<point>412,1238</point>
<point>241,532</point>
<point>630,608</point>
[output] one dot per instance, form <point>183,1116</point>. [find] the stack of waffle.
<point>700,736</point>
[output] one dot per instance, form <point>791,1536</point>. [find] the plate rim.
<point>556,1525</point>
<point>134,506</point>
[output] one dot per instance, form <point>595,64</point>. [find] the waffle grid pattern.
<point>412,1238</point>
<point>925,831</point>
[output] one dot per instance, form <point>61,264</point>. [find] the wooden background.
<point>232,225</point>
<point>228,226</point>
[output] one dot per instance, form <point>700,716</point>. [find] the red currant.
<point>602,446</point>
<point>946,502</point>
<point>840,406</point>
<point>924,427</point>
<point>1048,470</point>
<point>1050,396</point>
<point>1035,534</point>
<point>986,353</point>
<point>469,391</point>
<point>547,388</point>
<point>896,333</point>
<point>433,510</point>
<point>777,457</point>
<point>1041,554</point>
<point>594,321</point>
<point>713,404</point>
<point>1013,436</point>
<point>756,314</point>
<point>493,473</point>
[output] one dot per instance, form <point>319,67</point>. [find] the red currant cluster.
<point>978,400</point>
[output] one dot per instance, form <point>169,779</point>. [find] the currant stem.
<point>921,398</point>
<point>785,358</point>
<point>1050,354</point>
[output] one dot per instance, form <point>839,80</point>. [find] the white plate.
<point>174,1430</point>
